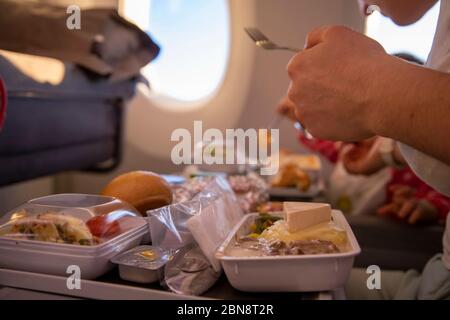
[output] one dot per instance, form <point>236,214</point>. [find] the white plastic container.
<point>55,258</point>
<point>302,273</point>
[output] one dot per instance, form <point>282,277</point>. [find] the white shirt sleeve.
<point>432,171</point>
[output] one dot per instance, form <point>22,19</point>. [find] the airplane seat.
<point>74,125</point>
<point>393,245</point>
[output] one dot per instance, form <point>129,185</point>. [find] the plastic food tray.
<point>55,258</point>
<point>302,273</point>
<point>294,194</point>
<point>27,285</point>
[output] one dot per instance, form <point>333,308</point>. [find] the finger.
<point>406,209</point>
<point>425,212</point>
<point>354,161</point>
<point>282,108</point>
<point>355,153</point>
<point>299,117</point>
<point>405,191</point>
<point>401,195</point>
<point>416,216</point>
<point>370,141</point>
<point>339,145</point>
<point>316,36</point>
<point>294,67</point>
<point>292,93</point>
<point>399,190</point>
<point>351,165</point>
<point>344,144</point>
<point>319,35</point>
<point>386,210</point>
<point>343,150</point>
<point>285,107</point>
<point>399,199</point>
<point>291,109</point>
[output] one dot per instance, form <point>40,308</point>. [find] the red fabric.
<point>325,148</point>
<point>423,191</point>
<point>3,100</point>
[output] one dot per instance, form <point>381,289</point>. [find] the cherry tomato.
<point>103,226</point>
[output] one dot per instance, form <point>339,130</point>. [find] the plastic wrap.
<point>205,221</point>
<point>189,272</point>
<point>251,191</point>
<point>74,219</point>
<point>188,190</point>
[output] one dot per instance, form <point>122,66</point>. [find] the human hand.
<point>406,207</point>
<point>362,157</point>
<point>287,108</point>
<point>335,83</point>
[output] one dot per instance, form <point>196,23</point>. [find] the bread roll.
<point>144,190</point>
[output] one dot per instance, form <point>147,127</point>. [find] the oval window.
<point>194,36</point>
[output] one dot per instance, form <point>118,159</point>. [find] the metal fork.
<point>263,42</point>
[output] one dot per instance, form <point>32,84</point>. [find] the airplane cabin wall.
<point>286,21</point>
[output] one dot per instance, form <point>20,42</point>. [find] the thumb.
<point>319,34</point>
<point>316,36</point>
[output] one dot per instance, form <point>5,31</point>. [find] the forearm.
<point>412,105</point>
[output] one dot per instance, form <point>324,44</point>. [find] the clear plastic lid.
<point>76,219</point>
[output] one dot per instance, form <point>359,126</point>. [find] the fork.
<point>275,122</point>
<point>263,42</point>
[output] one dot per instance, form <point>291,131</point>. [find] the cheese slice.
<point>302,215</point>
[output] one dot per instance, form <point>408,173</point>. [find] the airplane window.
<point>194,36</point>
<point>415,39</point>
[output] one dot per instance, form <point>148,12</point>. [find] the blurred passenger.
<point>371,176</point>
<point>369,93</point>
<point>408,198</point>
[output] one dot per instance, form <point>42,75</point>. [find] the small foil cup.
<point>143,264</point>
